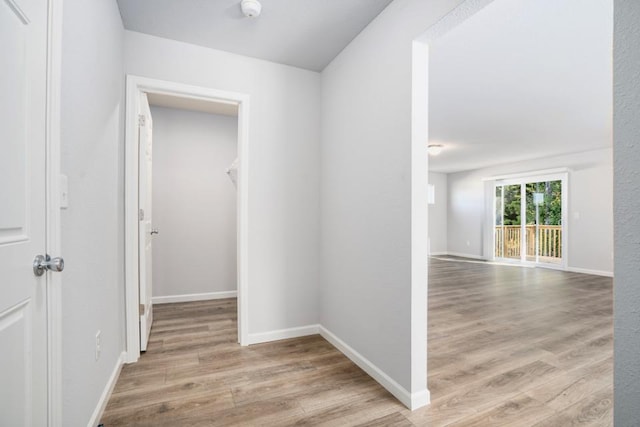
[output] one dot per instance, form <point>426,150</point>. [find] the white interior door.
<point>146,232</point>
<point>23,295</point>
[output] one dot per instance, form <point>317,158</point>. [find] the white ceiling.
<point>522,79</point>
<point>303,33</point>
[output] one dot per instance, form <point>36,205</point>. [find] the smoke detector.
<point>251,8</point>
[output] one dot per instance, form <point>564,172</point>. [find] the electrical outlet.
<point>98,344</point>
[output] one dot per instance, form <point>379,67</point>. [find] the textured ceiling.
<point>302,33</point>
<point>522,79</point>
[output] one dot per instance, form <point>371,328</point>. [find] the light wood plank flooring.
<point>508,346</point>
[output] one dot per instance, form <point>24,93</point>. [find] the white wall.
<point>627,206</point>
<point>590,216</point>
<point>92,107</point>
<point>284,137</point>
<point>438,214</point>
<point>194,202</point>
<point>466,217</point>
<point>366,191</point>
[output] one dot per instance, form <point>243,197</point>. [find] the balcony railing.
<point>508,242</point>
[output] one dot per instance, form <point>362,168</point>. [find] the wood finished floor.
<point>508,346</point>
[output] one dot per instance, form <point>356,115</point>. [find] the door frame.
<point>53,233</point>
<point>420,395</point>
<point>134,87</point>
<point>522,179</point>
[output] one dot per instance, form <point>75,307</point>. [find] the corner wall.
<point>92,107</point>
<point>284,136</point>
<point>626,142</point>
<point>366,190</point>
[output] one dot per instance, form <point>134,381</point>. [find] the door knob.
<point>154,231</point>
<point>42,263</point>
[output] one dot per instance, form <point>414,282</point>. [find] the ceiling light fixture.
<point>251,8</point>
<point>434,149</point>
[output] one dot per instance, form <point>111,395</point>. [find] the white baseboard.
<point>588,271</point>
<point>194,297</point>
<point>283,334</point>
<point>106,393</point>
<point>412,401</point>
<point>571,269</point>
<point>460,254</point>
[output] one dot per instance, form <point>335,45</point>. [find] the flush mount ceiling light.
<point>434,149</point>
<point>251,8</point>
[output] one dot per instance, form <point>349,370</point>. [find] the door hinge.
<point>141,119</point>
<point>140,214</point>
<point>141,309</point>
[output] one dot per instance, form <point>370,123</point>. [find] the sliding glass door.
<point>508,221</point>
<point>544,222</point>
<point>529,220</point>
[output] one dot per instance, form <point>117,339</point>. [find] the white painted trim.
<point>589,271</point>
<point>132,296</point>
<point>419,219</point>
<point>530,265</point>
<point>412,401</point>
<point>106,393</point>
<point>488,262</point>
<point>243,218</point>
<point>136,85</point>
<point>283,334</point>
<point>193,297</point>
<point>53,223</point>
<point>463,255</point>
<point>566,227</point>
<point>417,321</point>
<point>18,11</point>
<point>526,178</point>
<point>517,175</point>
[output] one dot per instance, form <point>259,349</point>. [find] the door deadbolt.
<point>42,263</point>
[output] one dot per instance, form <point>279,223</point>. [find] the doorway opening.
<point>190,204</point>
<point>529,220</point>
<point>489,124</point>
<point>138,226</point>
